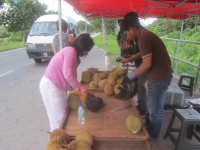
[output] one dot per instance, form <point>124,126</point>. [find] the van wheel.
<point>38,60</point>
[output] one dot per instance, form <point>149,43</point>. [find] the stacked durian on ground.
<point>108,80</point>
<point>59,140</point>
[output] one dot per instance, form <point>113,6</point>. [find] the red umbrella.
<point>177,9</point>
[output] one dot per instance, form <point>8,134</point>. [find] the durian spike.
<point>65,145</point>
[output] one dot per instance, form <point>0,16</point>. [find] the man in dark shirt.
<point>156,65</point>
<point>131,59</point>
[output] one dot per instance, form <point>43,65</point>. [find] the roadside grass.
<point>111,47</point>
<point>4,46</point>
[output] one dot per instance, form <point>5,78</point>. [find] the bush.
<point>15,37</point>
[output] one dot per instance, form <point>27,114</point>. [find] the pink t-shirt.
<point>63,68</point>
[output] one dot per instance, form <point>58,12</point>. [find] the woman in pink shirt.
<point>61,76</point>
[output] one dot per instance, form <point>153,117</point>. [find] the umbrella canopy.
<point>177,9</point>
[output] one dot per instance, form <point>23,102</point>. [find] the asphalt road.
<point>23,118</point>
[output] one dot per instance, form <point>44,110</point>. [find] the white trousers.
<point>55,101</point>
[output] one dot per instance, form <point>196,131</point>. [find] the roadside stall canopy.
<point>176,9</point>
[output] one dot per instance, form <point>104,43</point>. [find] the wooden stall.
<point>108,128</point>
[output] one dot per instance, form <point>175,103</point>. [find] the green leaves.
<point>20,16</point>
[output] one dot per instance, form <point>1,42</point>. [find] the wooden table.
<point>108,128</point>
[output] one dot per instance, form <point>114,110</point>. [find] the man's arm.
<point>146,64</point>
<point>133,57</point>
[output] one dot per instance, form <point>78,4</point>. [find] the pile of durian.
<point>59,140</point>
<point>75,98</point>
<point>109,80</point>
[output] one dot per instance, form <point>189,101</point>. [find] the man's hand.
<point>124,60</point>
<point>131,75</point>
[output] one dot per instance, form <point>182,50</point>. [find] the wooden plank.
<point>108,128</point>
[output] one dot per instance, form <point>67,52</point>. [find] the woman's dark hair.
<point>130,20</point>
<point>82,43</point>
<point>64,24</point>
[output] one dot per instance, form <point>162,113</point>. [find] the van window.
<point>43,28</point>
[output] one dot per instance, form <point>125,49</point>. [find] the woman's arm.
<point>70,68</point>
<point>54,50</point>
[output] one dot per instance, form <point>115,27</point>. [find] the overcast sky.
<point>68,10</point>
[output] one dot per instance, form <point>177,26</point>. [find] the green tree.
<point>52,12</point>
<point>91,28</point>
<point>19,17</point>
<point>96,22</point>
<point>111,24</point>
<point>81,25</point>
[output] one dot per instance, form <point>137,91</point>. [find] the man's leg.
<point>142,94</point>
<point>155,103</point>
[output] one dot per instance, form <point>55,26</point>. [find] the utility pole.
<point>104,30</point>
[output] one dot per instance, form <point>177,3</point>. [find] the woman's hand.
<point>83,90</point>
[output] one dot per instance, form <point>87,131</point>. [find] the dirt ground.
<point>166,144</point>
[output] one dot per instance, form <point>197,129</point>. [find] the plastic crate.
<point>174,96</point>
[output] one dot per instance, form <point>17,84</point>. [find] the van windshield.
<point>43,29</point>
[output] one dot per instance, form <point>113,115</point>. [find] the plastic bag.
<point>128,89</point>
<point>94,103</point>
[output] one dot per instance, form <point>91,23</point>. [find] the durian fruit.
<point>120,71</point>
<point>83,99</point>
<point>60,132</point>
<point>113,69</point>
<point>92,70</point>
<point>103,76</point>
<point>85,136</point>
<point>102,83</point>
<point>78,145</point>
<point>75,92</point>
<point>106,73</point>
<point>55,143</point>
<point>119,81</point>
<point>116,90</point>
<point>85,76</point>
<point>112,82</point>
<point>108,89</point>
<point>133,123</point>
<point>73,102</point>
<point>113,76</point>
<point>97,77</point>
<point>93,84</point>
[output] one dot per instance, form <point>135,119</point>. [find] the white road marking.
<point>1,75</point>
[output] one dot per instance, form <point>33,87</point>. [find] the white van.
<point>40,37</point>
